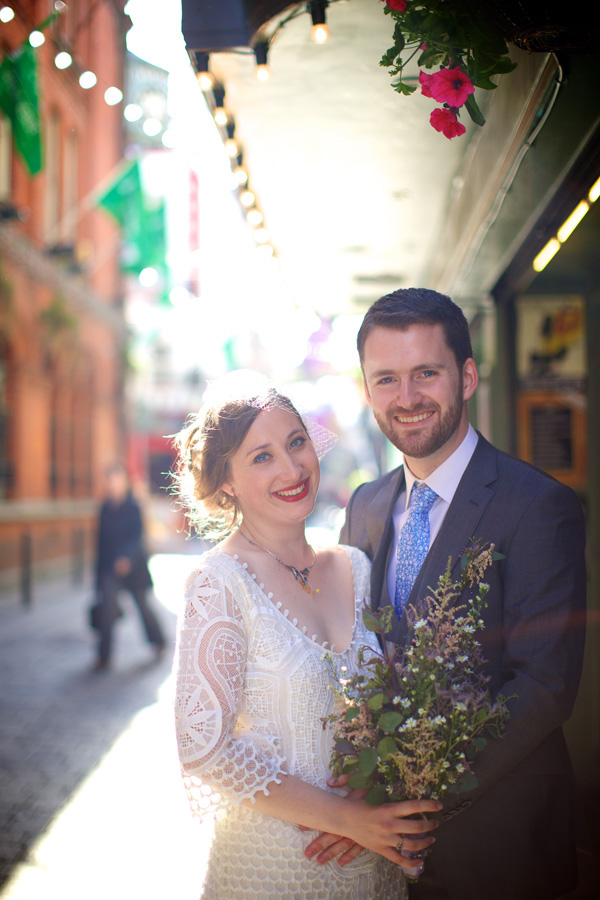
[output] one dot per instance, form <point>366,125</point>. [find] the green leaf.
<point>367,760</point>
<point>474,110</point>
<point>386,747</point>
<point>389,721</point>
<point>351,713</point>
<point>376,701</point>
<point>497,555</point>
<point>388,57</point>
<point>484,83</point>
<point>358,782</point>
<point>468,782</point>
<point>479,743</point>
<point>399,38</point>
<point>504,65</point>
<point>377,795</point>
<point>405,89</point>
<point>431,56</point>
<point>371,620</point>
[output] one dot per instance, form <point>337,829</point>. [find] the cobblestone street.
<point>90,797</point>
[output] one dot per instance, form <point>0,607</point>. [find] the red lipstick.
<point>295,492</point>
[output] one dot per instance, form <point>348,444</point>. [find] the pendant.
<point>300,576</point>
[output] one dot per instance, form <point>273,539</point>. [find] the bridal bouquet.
<point>410,724</point>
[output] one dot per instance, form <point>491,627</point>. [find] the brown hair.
<point>205,445</point>
<point>419,306</point>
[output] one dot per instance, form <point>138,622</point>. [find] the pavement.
<point>91,801</point>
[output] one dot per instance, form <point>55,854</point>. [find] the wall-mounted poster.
<point>551,397</point>
<point>551,342</point>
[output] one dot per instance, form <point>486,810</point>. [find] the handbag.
<point>95,612</point>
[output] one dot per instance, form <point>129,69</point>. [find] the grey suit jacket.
<point>501,840</point>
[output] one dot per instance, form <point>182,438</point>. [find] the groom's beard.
<point>429,441</point>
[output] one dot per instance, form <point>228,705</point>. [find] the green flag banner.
<point>20,104</point>
<point>141,220</point>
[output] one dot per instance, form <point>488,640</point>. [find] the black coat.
<point>120,534</point>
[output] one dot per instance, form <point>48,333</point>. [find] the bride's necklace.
<point>301,575</point>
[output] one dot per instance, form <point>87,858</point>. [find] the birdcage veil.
<point>257,390</point>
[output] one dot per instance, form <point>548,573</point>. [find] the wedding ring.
<point>399,845</point>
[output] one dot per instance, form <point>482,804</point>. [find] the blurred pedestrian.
<point>121,564</point>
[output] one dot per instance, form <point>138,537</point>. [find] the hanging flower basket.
<point>544,27</point>
<point>464,49</point>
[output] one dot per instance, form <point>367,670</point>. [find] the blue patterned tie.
<point>413,543</point>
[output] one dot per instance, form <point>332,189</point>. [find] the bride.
<point>263,610</point>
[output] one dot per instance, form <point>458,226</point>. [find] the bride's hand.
<point>381,829</point>
<point>327,846</point>
<point>391,831</point>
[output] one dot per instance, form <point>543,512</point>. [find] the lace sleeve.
<point>221,764</point>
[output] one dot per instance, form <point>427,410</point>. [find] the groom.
<point>512,837</point>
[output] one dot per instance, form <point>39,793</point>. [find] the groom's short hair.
<point>419,306</point>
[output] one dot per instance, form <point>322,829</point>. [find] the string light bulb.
<point>247,198</point>
<point>63,60</point>
<point>87,80</point>
<point>206,79</point>
<point>262,71</point>
<point>133,112</point>
<point>36,39</point>
<point>220,116</point>
<point>231,145</point>
<point>6,14</point>
<point>319,33</point>
<point>261,236</point>
<point>254,217</point>
<point>113,96</point>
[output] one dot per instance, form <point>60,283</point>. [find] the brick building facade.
<point>61,326</point>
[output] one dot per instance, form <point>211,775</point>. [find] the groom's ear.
<point>470,379</point>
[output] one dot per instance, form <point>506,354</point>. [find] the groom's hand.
<point>327,846</point>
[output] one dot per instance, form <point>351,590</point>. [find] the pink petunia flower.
<point>446,121</point>
<point>425,82</point>
<point>451,86</point>
<point>398,5</point>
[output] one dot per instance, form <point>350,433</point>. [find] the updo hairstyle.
<point>205,445</point>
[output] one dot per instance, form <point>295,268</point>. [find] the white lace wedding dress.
<point>251,690</point>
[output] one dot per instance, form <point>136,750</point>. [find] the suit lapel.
<point>381,534</point>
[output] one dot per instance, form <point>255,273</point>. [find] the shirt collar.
<point>445,479</point>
